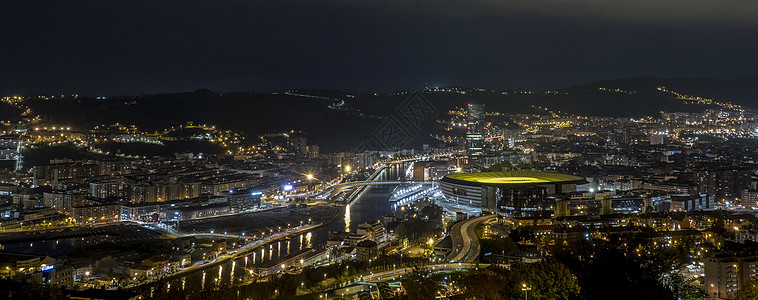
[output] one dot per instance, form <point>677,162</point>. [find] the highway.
<point>384,275</point>
<point>465,242</point>
<point>232,254</point>
<point>350,290</point>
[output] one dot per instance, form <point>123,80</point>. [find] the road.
<point>379,276</point>
<point>465,242</point>
<point>232,254</point>
<point>348,291</point>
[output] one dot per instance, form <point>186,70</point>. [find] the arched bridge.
<point>373,182</point>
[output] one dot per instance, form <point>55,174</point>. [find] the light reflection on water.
<point>371,205</point>
<point>347,218</point>
<point>55,247</point>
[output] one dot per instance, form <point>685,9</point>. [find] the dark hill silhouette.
<point>741,90</point>
<point>339,122</point>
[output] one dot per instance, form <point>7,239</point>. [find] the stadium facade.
<point>522,194</point>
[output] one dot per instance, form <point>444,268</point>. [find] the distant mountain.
<point>253,113</point>
<point>9,112</point>
<point>741,90</point>
<point>631,97</point>
<point>339,121</point>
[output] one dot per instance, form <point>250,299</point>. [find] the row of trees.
<point>21,290</point>
<point>631,267</point>
<point>547,280</point>
<point>623,267</point>
<point>417,228</point>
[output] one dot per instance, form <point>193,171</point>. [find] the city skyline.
<point>379,149</point>
<point>197,209</point>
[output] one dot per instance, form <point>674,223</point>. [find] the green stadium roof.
<point>512,178</point>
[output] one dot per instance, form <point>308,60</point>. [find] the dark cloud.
<point>138,46</point>
<point>648,12</point>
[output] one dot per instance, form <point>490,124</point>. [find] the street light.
<point>526,290</point>
<point>347,169</point>
<point>310,181</point>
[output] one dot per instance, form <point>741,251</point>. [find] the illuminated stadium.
<point>517,193</point>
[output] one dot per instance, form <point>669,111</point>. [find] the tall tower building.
<point>475,130</point>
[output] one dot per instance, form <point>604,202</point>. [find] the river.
<point>371,205</point>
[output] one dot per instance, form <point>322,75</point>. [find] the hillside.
<point>742,91</point>
<point>339,122</point>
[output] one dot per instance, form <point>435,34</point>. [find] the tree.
<point>23,290</point>
<point>400,230</point>
<point>547,279</point>
<point>499,245</point>
<point>482,286</point>
<point>420,285</point>
<point>749,290</point>
<point>605,270</point>
<point>499,167</point>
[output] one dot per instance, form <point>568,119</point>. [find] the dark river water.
<point>370,206</point>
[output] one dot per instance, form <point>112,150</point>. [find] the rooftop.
<point>513,177</point>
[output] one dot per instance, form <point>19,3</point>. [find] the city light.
<point>125,193</point>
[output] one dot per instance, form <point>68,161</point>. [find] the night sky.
<point>110,47</point>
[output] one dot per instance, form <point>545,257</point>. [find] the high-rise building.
<point>725,274</point>
<point>106,188</point>
<point>475,130</point>
<point>298,144</point>
<point>723,183</point>
<point>313,151</point>
<point>10,149</point>
<point>63,201</point>
<point>142,193</point>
